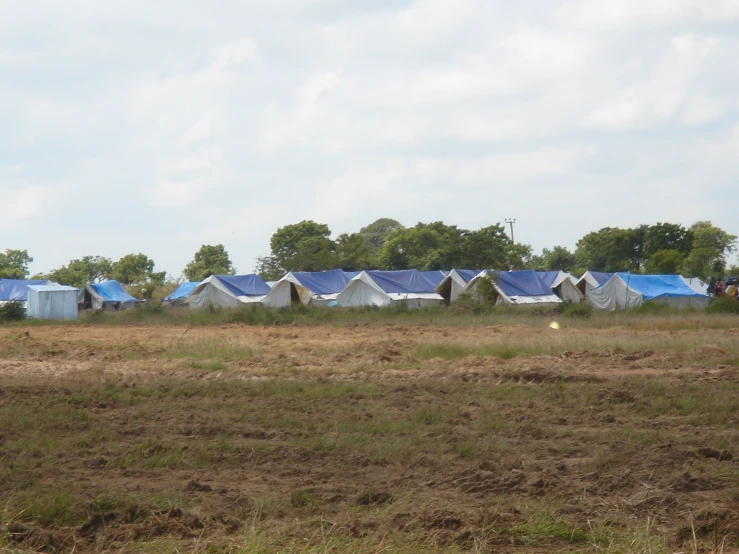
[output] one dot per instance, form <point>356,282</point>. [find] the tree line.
<point>701,250</point>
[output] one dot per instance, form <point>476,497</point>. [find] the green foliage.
<point>268,268</point>
<point>582,310</point>
<point>723,305</point>
<point>209,260</point>
<point>353,253</point>
<point>12,311</point>
<point>518,256</point>
<point>666,262</point>
<point>485,248</point>
<point>426,246</point>
<point>137,269</point>
<point>14,264</point>
<point>608,249</point>
<point>374,234</point>
<point>303,246</point>
<point>668,236</point>
<point>88,269</point>
<point>710,247</point>
<point>558,258</point>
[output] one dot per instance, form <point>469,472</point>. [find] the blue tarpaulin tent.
<point>228,291</point>
<point>592,280</point>
<point>452,285</point>
<point>382,288</point>
<point>562,284</point>
<point>181,292</point>
<point>16,290</point>
<point>515,287</point>
<point>308,287</point>
<point>625,290</point>
<point>108,294</point>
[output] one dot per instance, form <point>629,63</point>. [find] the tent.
<point>51,302</point>
<point>384,288</point>
<point>108,294</point>
<point>697,284</point>
<point>626,290</point>
<point>228,291</point>
<point>178,295</point>
<point>515,287</point>
<point>319,288</point>
<point>563,285</point>
<point>451,286</point>
<point>16,290</point>
<point>592,280</point>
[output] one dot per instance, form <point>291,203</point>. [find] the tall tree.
<point>608,249</point>
<point>303,246</point>
<point>14,264</point>
<point>668,236</point>
<point>485,248</point>
<point>209,260</point>
<point>711,245</point>
<point>425,246</point>
<point>558,258</point>
<point>88,269</point>
<point>665,262</point>
<point>374,234</point>
<point>137,269</point>
<point>353,253</point>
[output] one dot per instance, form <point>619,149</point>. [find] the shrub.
<point>582,310</point>
<point>12,311</point>
<point>723,305</point>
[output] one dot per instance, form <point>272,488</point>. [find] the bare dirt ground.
<point>368,438</point>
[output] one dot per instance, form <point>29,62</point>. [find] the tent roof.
<point>548,277</point>
<point>51,288</point>
<point>522,283</point>
<point>183,291</point>
<point>112,291</point>
<point>324,282</point>
<point>434,277</point>
<point>601,276</point>
<point>16,290</point>
<point>244,285</point>
<point>652,286</point>
<point>407,281</point>
<point>468,274</point>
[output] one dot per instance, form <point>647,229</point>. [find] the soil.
<point>560,451</point>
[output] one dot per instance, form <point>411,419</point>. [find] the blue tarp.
<point>244,285</point>
<point>522,283</point>
<point>407,281</point>
<point>601,277</point>
<point>325,282</point>
<point>653,286</point>
<point>16,290</point>
<point>112,291</point>
<point>548,277</point>
<point>468,274</point>
<point>435,277</point>
<point>183,291</point>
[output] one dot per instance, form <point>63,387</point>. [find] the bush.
<point>723,305</point>
<point>12,311</point>
<point>582,310</point>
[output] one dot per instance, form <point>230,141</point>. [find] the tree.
<point>666,262</point>
<point>209,260</point>
<point>710,248</point>
<point>374,234</point>
<point>353,253</point>
<point>426,246</point>
<point>303,246</point>
<point>518,256</point>
<point>88,269</point>
<point>668,236</point>
<point>137,269</point>
<point>608,249</point>
<point>268,268</point>
<point>14,264</point>
<point>558,258</point>
<point>485,248</point>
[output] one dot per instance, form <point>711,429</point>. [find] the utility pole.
<point>510,222</point>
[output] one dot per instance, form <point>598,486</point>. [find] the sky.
<point>157,127</point>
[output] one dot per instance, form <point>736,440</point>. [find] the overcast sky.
<point>157,127</point>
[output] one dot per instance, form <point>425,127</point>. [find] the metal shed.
<point>51,302</point>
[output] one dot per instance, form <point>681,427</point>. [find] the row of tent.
<point>604,291</point>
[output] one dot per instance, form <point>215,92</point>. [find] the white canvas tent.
<point>301,287</point>
<point>696,283</point>
<point>385,288</point>
<point>515,287</point>
<point>627,290</point>
<point>592,280</point>
<point>228,291</point>
<point>453,284</point>
<point>563,285</point>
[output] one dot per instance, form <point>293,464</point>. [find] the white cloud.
<point>22,205</point>
<point>236,52</point>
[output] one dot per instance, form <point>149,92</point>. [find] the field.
<point>373,434</point>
